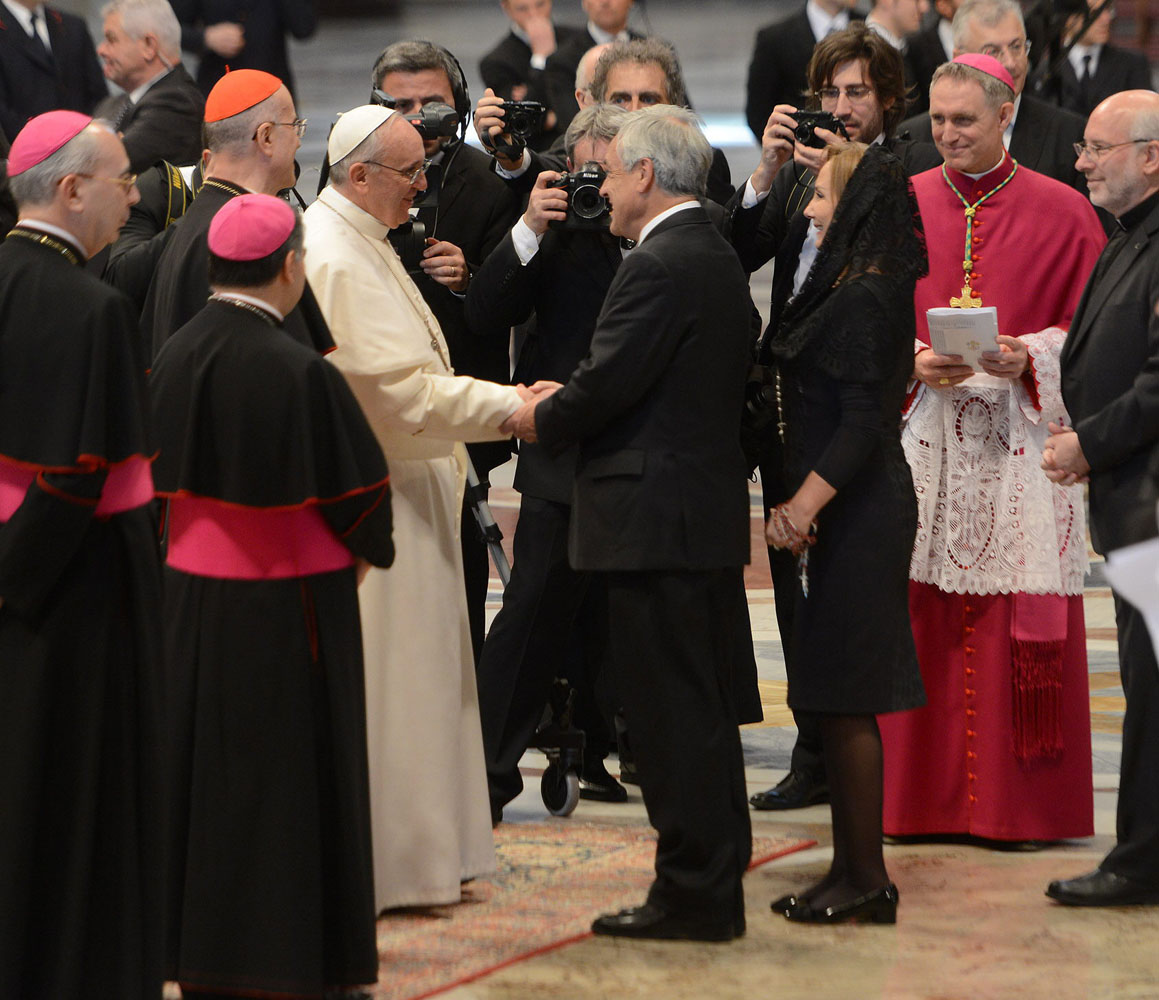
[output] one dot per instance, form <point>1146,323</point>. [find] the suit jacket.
<point>1043,139</point>
<point>164,125</point>
<point>266,24</point>
<point>32,81</point>
<point>1110,385</point>
<point>1118,69</point>
<point>655,408</point>
<point>777,71</point>
<point>923,54</point>
<point>475,211</point>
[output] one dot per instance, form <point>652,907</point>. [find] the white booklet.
<point>968,332</point>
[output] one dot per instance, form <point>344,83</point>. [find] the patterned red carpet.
<point>553,879</point>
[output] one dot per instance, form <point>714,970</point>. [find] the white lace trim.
<point>989,521</point>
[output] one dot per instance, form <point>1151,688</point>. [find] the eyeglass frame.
<point>125,181</point>
<point>298,125</point>
<point>1082,148</point>
<point>834,93</point>
<point>1023,49</point>
<point>412,178</point>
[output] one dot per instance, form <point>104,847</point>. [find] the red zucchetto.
<point>42,136</point>
<point>988,65</point>
<point>239,91</point>
<point>250,227</point>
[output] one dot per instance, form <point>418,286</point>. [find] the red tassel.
<point>1037,698</point>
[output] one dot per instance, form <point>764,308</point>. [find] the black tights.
<point>853,762</point>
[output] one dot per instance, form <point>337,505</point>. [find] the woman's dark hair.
<point>883,67</point>
<point>254,273</point>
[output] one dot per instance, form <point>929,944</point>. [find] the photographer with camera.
<point>858,80</point>
<point>459,219</point>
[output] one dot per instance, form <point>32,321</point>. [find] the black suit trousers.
<point>673,647</point>
<point>1136,855</point>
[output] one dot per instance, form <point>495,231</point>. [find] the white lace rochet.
<point>989,521</point>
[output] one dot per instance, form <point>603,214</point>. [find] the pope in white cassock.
<point>430,818</point>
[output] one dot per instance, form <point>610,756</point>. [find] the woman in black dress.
<point>843,356</point>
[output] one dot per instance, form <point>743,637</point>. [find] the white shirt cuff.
<point>518,171</point>
<point>526,242</point>
<point>751,199</point>
<point>538,62</point>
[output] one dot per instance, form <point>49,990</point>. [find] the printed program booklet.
<point>968,332</point>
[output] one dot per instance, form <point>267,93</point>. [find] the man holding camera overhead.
<point>858,79</point>
<point>462,215</point>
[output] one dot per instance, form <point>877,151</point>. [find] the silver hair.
<point>671,138</point>
<point>598,123</point>
<point>234,135</point>
<point>642,51</point>
<point>142,17</point>
<point>80,155</point>
<point>996,92</point>
<point>1145,124</point>
<point>987,12</point>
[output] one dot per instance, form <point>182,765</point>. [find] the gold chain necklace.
<point>45,240</point>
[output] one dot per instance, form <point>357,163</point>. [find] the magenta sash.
<point>128,485</point>
<point>215,539</point>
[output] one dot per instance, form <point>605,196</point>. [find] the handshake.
<point>521,423</point>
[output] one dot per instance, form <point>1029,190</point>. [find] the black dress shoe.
<point>598,786</point>
<point>652,922</point>
<point>877,907</point>
<point>784,904</point>
<point>1102,888</point>
<point>795,790</point>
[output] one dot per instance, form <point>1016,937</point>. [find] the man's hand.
<point>1009,361</point>
<point>1063,460</point>
<point>540,35</point>
<point>521,423</point>
<point>941,371</point>
<point>226,38</point>
<point>812,158</point>
<point>489,123</point>
<point>776,147</point>
<point>545,205</point>
<point>445,263</point>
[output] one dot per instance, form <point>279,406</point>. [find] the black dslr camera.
<point>586,207</point>
<point>433,121</point>
<point>409,241</point>
<point>809,120</point>
<point>523,120</point>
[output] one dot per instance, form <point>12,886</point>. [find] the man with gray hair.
<point>660,513</point>
<point>80,849</point>
<point>159,113</point>
<point>1039,135</point>
<point>430,820</point>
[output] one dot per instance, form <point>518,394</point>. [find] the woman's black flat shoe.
<point>784,904</point>
<point>877,907</point>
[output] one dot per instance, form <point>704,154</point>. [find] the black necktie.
<point>1086,83</point>
<point>34,34</point>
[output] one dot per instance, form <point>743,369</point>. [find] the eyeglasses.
<point>857,92</point>
<point>298,125</point>
<point>412,176</point>
<point>1096,150</point>
<point>1018,47</point>
<point>125,182</point>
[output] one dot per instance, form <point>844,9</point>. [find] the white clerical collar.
<point>24,15</point>
<point>878,28</point>
<point>136,94</point>
<point>57,231</point>
<point>358,217</point>
<point>946,37</point>
<point>978,177</point>
<point>252,300</point>
<point>1076,58</point>
<point>822,23</point>
<point>668,212</point>
<point>1013,118</point>
<point>604,37</point>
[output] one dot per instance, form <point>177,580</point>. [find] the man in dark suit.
<point>1110,384</point>
<point>1095,69</point>
<point>159,114</point>
<point>515,68</point>
<point>1041,136</point>
<point>47,62</point>
<point>781,57</point>
<point>661,513</point>
<point>243,34</point>
<point>860,79</point>
<point>927,50</point>
<point>470,212</point>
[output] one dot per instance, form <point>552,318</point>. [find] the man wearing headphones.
<point>466,211</point>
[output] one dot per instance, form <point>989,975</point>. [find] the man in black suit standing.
<point>781,57</point>
<point>927,50</point>
<point>1110,385</point>
<point>159,114</point>
<point>661,513</point>
<point>1095,69</point>
<point>47,63</point>
<point>858,76</point>
<point>1041,136</point>
<point>515,68</point>
<point>466,211</point>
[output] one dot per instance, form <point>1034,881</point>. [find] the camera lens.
<point>587,202</point>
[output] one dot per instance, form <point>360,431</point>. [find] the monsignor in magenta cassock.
<point>1002,749</point>
<point>273,483</point>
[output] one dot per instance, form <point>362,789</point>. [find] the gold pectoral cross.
<point>967,301</point>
